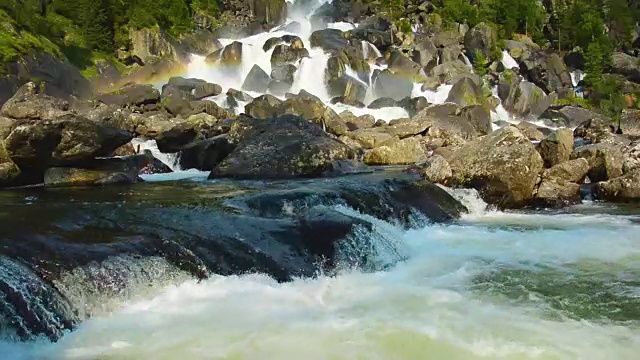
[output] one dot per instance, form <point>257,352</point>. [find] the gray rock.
<point>398,152</point>
<point>257,80</point>
<point>436,169</point>
<point>283,147</point>
<point>622,189</point>
<point>503,166</point>
<point>387,84</point>
<point>557,147</point>
<point>29,103</point>
<point>605,161</point>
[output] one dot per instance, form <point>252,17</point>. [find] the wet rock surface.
<point>284,229</point>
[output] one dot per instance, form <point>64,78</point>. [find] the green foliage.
<point>405,26</point>
<point>393,7</point>
<point>78,29</point>
<point>480,63</point>
<point>509,16</point>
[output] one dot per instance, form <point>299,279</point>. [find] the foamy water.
<point>482,288</point>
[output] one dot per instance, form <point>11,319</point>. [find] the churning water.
<point>494,285</point>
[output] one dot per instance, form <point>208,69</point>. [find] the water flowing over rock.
<point>118,239</point>
<point>503,166</point>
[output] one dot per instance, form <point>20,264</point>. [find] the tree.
<point>394,9</point>
<point>480,63</point>
<point>594,65</point>
<point>96,24</point>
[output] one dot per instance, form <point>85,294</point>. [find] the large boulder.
<point>622,189</point>
<point>522,98</point>
<point>630,123</point>
<point>232,54</point>
<point>626,65</point>
<point>481,38</point>
<point>401,64</point>
<point>58,77</point>
<point>184,131</point>
<point>557,147</point>
<point>29,103</point>
<point>548,71</point>
<point>176,101</point>
<point>466,93</point>
<point>262,107</point>
<point>447,73</point>
<point>398,152</point>
<point>347,87</point>
<point>65,141</point>
<point>436,169</point>
<point>131,95</point>
<point>315,111</point>
<point>570,116</point>
<point>530,130</point>
<point>257,80</point>
<point>560,184</point>
<point>285,54</point>
<point>329,39</point>
<point>424,52</point>
<point>503,166</point>
<point>370,138</point>
<point>605,160</point>
<point>596,130</point>
<point>206,154</point>
<point>281,147</point>
<point>121,170</point>
<point>479,117</point>
<point>389,85</point>
<point>151,45</point>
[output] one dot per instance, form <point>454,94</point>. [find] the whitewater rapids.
<point>495,285</point>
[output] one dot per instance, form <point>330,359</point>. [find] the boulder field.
<point>52,142</point>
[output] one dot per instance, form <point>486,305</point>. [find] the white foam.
<point>426,303</point>
<point>508,61</point>
<point>169,159</point>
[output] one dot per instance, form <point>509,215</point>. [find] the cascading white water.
<point>508,61</point>
<point>171,160</point>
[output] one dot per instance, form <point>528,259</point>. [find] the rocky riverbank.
<point>47,140</point>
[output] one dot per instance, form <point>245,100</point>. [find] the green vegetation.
<point>86,30</point>
<point>481,63</point>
